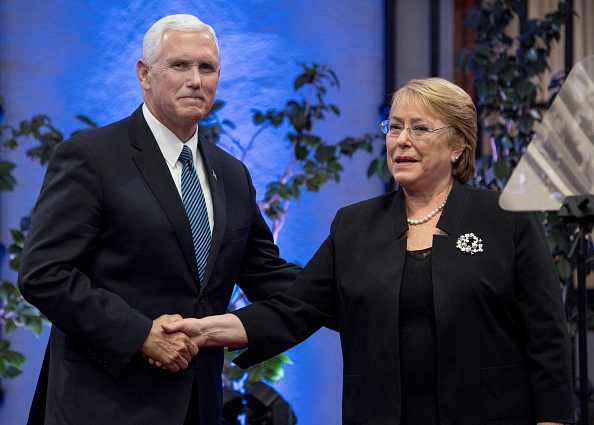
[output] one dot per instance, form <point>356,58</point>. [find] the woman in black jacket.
<point>449,308</point>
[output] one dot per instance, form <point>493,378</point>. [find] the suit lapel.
<point>153,168</point>
<point>215,177</point>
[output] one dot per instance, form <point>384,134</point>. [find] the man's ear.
<point>142,70</point>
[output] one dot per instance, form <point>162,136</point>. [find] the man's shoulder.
<point>212,149</point>
<point>115,130</point>
<point>218,157</point>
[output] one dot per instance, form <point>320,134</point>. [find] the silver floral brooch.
<point>469,243</point>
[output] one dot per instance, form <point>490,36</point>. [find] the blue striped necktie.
<point>195,205</point>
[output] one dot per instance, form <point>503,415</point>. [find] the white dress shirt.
<point>171,148</point>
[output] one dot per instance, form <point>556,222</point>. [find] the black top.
<point>418,353</point>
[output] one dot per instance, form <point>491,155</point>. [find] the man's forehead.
<point>169,32</point>
<point>205,47</point>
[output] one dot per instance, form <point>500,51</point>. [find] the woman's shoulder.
<point>371,205</point>
<point>480,192</point>
<point>483,204</point>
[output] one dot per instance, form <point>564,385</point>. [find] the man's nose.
<point>194,77</point>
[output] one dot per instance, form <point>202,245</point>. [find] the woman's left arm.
<point>542,315</point>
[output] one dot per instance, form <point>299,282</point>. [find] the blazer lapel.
<point>153,168</point>
<point>444,246</point>
<point>399,211</point>
<point>455,204</point>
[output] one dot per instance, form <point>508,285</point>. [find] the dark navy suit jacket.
<point>110,250</point>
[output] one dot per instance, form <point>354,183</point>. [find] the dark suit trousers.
<point>192,417</point>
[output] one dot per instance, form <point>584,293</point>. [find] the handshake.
<point>173,341</point>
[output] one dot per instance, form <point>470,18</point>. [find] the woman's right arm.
<point>224,330</point>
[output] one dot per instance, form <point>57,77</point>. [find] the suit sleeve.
<point>59,255</point>
<point>542,313</point>
<point>263,272</point>
<point>286,319</point>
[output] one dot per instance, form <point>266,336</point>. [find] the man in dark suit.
<point>110,254</point>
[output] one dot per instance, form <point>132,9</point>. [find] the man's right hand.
<point>171,351</point>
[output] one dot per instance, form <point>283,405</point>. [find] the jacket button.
<point>201,298</point>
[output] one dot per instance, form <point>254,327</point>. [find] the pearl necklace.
<point>428,216</point>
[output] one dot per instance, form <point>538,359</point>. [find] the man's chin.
<point>195,108</point>
<point>195,114</point>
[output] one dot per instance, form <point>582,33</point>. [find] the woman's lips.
<point>404,160</point>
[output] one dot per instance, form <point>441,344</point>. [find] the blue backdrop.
<point>69,57</point>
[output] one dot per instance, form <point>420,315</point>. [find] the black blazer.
<point>110,249</point>
<point>503,353</point>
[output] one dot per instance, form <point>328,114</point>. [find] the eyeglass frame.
<point>385,124</point>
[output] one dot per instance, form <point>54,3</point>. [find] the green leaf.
<point>258,118</point>
<point>300,81</point>
<point>36,326</point>
<point>564,269</point>
<point>372,168</point>
<point>10,372</point>
<point>284,358</point>
<point>231,355</point>
<point>18,236</point>
<point>216,106</point>
<point>6,166</point>
<point>235,373</point>
<point>9,327</point>
<point>525,124</point>
<point>325,153</point>
<point>502,170</point>
<point>14,358</point>
<point>7,182</point>
<point>295,192</point>
<point>301,152</point>
<point>299,122</point>
<point>88,121</point>
<point>284,191</point>
<point>335,109</point>
<point>276,119</point>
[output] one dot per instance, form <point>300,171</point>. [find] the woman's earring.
<point>456,158</point>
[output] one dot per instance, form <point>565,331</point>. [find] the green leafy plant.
<point>269,371</point>
<point>507,75</point>
<point>311,161</point>
<point>15,312</point>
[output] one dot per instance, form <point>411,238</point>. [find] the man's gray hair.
<point>151,44</point>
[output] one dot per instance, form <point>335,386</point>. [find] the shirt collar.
<point>168,142</point>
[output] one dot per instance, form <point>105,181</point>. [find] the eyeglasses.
<point>418,131</point>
